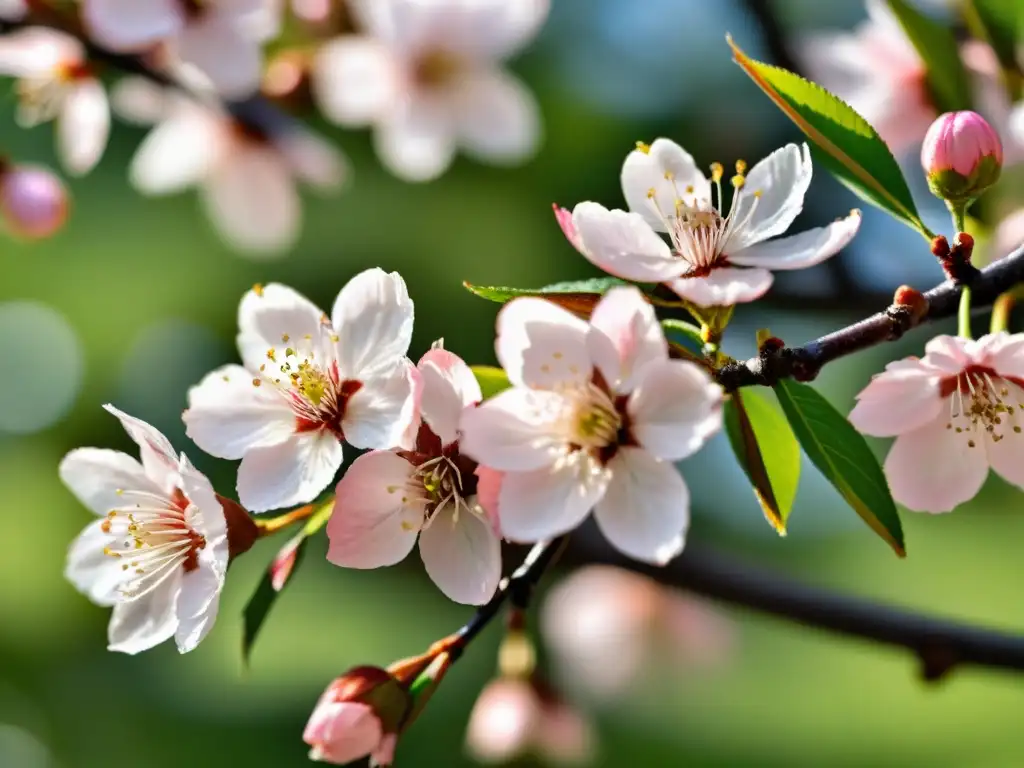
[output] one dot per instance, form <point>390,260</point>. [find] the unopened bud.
<point>961,155</point>
<point>912,299</point>
<point>33,201</point>
<point>770,345</point>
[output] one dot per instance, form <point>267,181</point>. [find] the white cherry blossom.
<point>247,181</point>
<point>159,551</point>
<point>427,75</point>
<point>388,498</point>
<point>596,416</point>
<point>309,381</point>
<point>955,413</point>
<point>715,256</point>
<point>56,82</point>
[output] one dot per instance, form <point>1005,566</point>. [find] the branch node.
<point>937,661</point>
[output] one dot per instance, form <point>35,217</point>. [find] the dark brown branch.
<point>804,363</point>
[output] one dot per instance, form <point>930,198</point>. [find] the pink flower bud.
<point>502,724</point>
<point>962,156</point>
<point>33,201</point>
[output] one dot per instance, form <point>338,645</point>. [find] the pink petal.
<point>933,469</point>
<point>625,319</point>
<point>516,430</point>
<point>372,317</point>
<point>340,732</point>
<point>623,244</point>
<point>948,353</point>
<point>565,736</point>
<point>218,47</point>
<point>900,400</point>
<point>646,510</point>
<point>176,154</point>
<point>1006,355</point>
<point>377,513</point>
<point>380,413</point>
<point>416,141</point>
<point>668,170</point>
<point>503,721</point>
<point>1006,455</point>
<point>83,126</point>
<point>355,79</point>
<point>462,555</point>
<point>129,24</point>
<point>542,345</point>
<point>564,218</point>
<point>448,387</point>
<point>800,251</point>
<point>384,754</point>
<point>289,473</point>
<point>724,287</point>
<point>496,117</point>
<point>488,489</point>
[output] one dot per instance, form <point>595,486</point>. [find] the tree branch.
<point>804,363</point>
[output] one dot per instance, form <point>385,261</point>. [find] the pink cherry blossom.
<point>56,82</point>
<point>340,732</point>
<point>247,181</point>
<point>427,76</point>
<point>309,381</point>
<point>159,552</point>
<point>388,498</point>
<point>959,141</point>
<point>596,416</point>
<point>715,257</point>
<point>955,415</point>
<point>33,201</point>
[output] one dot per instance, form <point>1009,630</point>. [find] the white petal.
<point>674,409</point>
<point>205,516</point>
<point>217,45</point>
<point>669,171</point>
<point>623,244</point>
<point>312,159</point>
<point>140,101</point>
<point>1006,456</point>
<point>933,469</point>
<point>625,319</point>
<point>158,456</point>
<point>373,318</point>
<point>274,317</point>
<point>92,572</point>
<point>378,415</point>
<point>724,287</point>
<point>175,155</point>
<point>375,519</point>
<point>138,625</point>
<point>228,416</point>
<point>462,555</point>
<point>95,475</point>
<point>289,473</point>
<point>541,345</point>
<point>483,29</point>
<point>772,196</point>
<point>448,387</point>
<point>83,126</point>
<point>516,430</point>
<point>37,52</point>
<point>646,510</point>
<point>416,141</point>
<point>497,117</point>
<point>129,24</point>
<point>550,501</point>
<point>355,80</point>
<point>901,399</point>
<point>197,607</point>
<point>803,250</point>
<point>252,200</point>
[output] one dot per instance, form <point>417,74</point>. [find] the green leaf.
<point>491,379</point>
<point>767,450</point>
<point>577,296</point>
<point>843,140</point>
<point>277,577</point>
<point>843,456</point>
<point>1001,23</point>
<point>685,333</point>
<point>948,82</point>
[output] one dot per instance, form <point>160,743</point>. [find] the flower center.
<point>441,481</point>
<point>151,536</point>
<point>982,403</point>
<point>435,68</point>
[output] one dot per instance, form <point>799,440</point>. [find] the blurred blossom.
<point>247,180</point>
<point>44,344</point>
<point>428,77</point>
<point>607,627</point>
<point>55,81</point>
<point>20,749</point>
<point>33,201</point>
<point>1008,236</point>
<point>12,10</point>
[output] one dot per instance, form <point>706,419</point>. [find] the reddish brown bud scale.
<point>771,345</point>
<point>940,247</point>
<point>242,530</point>
<point>912,300</point>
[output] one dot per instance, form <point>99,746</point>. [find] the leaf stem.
<point>1001,310</point>
<point>964,314</point>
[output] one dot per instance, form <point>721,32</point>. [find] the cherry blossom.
<point>955,413</point>
<point>309,382</point>
<point>33,201</point>
<point>12,10</point>
<point>55,81</point>
<point>342,730</point>
<point>596,415</point>
<point>387,498</point>
<point>427,76</point>
<point>159,551</point>
<point>247,180</point>
<point>716,257</point>
<point>216,36</point>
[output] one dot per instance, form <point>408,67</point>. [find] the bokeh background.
<point>135,300</point>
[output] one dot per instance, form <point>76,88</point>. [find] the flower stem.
<point>1001,310</point>
<point>275,524</point>
<point>964,314</point>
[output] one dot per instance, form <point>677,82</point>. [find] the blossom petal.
<point>96,476</point>
<point>197,607</point>
<point>625,319</point>
<point>375,519</point>
<point>448,387</point>
<point>83,126</point>
<point>899,400</point>
<point>276,317</point>
<point>497,118</point>
<point>669,172</point>
<point>933,469</point>
<point>724,287</point>
<point>1006,355</point>
<point>176,154</point>
<point>490,29</point>
<point>340,732</point>
<point>516,430</point>
<point>312,159</point>
<point>553,500</point>
<point>373,318</point>
<point>138,625</point>
<point>541,345</point>
<point>158,456</point>
<point>93,572</point>
<point>416,141</point>
<point>289,473</point>
<point>216,44</point>
<point>1005,455</point>
<point>129,24</point>
<point>205,516</point>
<point>623,244</point>
<point>803,250</point>
<point>36,51</point>
<point>378,415</point>
<point>674,409</point>
<point>462,555</point>
<point>355,79</point>
<point>950,354</point>
<point>228,416</point>
<point>772,196</point>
